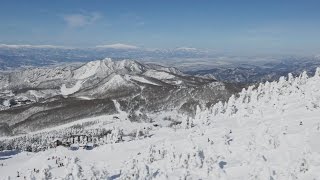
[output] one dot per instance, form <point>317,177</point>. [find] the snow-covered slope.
<point>53,96</point>
<point>162,75</point>
<point>105,67</point>
<point>69,80</point>
<point>268,132</point>
<point>67,91</point>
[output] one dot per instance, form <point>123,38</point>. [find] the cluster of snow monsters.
<point>67,136</point>
<point>258,146</point>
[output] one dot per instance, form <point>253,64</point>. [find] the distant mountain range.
<point>19,56</point>
<point>226,68</point>
<point>250,73</point>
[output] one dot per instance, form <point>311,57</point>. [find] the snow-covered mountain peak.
<point>129,65</point>
<point>87,70</point>
<point>105,67</point>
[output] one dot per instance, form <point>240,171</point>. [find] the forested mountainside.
<point>39,98</point>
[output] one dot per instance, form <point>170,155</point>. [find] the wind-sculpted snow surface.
<point>267,132</point>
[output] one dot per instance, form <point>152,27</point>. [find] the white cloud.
<point>186,49</point>
<point>28,46</point>
<point>118,46</point>
<point>81,19</point>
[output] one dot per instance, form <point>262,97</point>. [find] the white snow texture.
<point>269,132</point>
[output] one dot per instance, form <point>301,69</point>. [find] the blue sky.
<point>271,26</point>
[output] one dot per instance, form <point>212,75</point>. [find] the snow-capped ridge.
<point>163,68</point>
<point>107,66</point>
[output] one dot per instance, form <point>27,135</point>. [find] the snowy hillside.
<point>40,98</point>
<point>31,85</point>
<point>268,132</point>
